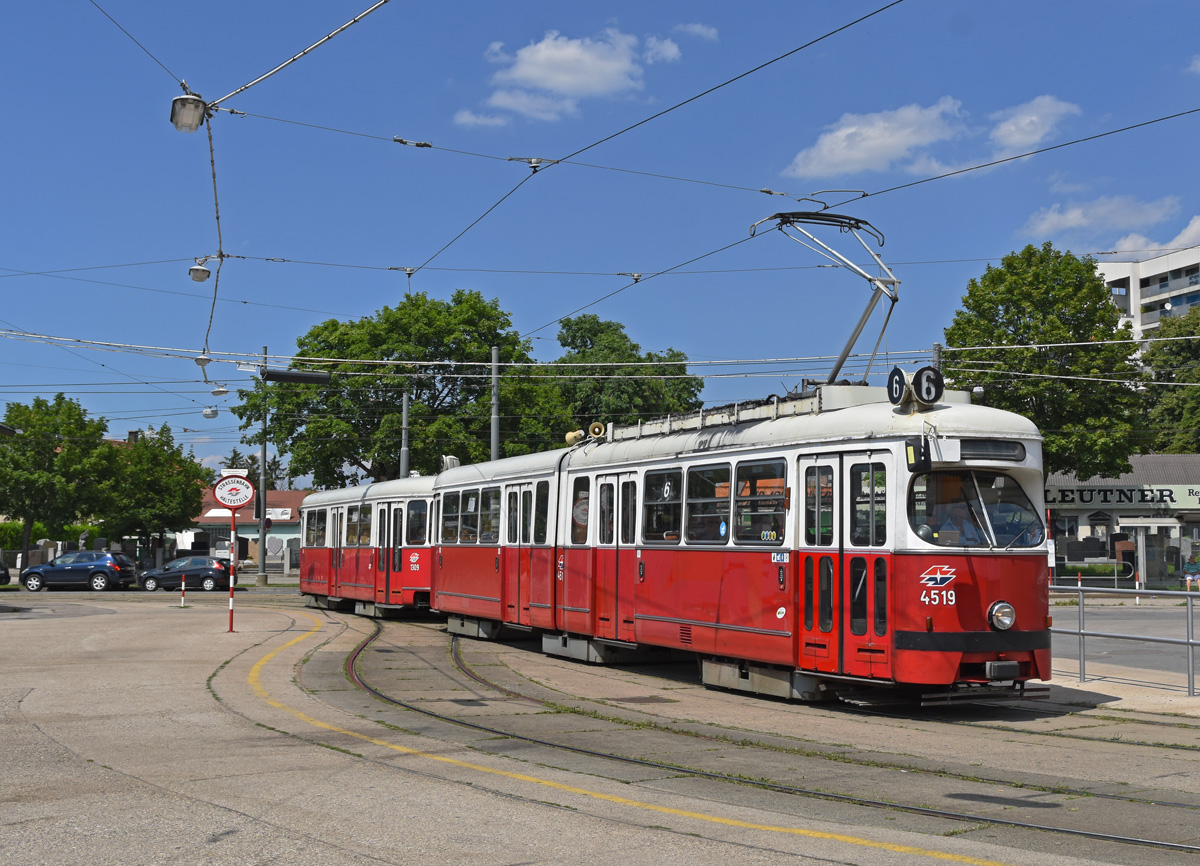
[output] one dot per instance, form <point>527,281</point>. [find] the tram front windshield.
<point>973,509</point>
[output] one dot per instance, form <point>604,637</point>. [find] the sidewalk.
<point>1134,690</point>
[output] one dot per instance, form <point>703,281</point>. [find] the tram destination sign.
<point>233,491</point>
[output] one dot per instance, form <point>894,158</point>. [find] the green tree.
<point>156,488</point>
<point>1174,396</point>
<point>1036,309</point>
<point>638,385</point>
<point>54,469</point>
<point>350,430</point>
<point>277,475</point>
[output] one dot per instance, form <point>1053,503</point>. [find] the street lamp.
<point>187,112</point>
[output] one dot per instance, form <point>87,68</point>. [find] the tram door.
<point>337,523</point>
<point>616,556</point>
<point>389,570</point>
<point>518,555</point>
<point>866,567</point>
<point>820,563</point>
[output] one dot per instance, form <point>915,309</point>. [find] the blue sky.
<point>100,189</point>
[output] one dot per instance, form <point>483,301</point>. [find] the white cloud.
<point>661,50</point>
<point>1060,185</point>
<point>1024,127</point>
<point>537,106</point>
<point>1194,66</point>
<point>1107,213</point>
<point>495,54</point>
<point>573,67</point>
<point>699,31</point>
<point>465,117</point>
<point>874,142</point>
<point>1189,237</point>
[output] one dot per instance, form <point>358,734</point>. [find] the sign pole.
<point>232,561</point>
<point>233,491</point>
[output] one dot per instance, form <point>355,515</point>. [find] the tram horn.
<point>574,437</point>
<point>596,429</point>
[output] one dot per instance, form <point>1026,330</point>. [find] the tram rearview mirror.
<point>917,452</point>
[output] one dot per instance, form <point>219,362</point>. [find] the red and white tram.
<point>803,548</point>
<point>368,546</point>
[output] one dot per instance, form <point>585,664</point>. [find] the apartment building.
<point>1151,290</point>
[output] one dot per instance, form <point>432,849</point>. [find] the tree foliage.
<point>630,384</point>
<point>54,469</point>
<point>1057,359</point>
<point>277,477</point>
<point>155,488</point>
<point>350,430</point>
<point>1174,395</point>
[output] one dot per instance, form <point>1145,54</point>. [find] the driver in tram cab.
<point>962,523</point>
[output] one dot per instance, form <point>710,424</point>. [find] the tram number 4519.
<point>937,596</point>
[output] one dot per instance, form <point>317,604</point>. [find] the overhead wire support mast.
<point>882,285</point>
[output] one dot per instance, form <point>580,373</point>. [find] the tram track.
<point>974,820</point>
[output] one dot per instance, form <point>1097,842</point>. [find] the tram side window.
<point>397,537</point>
<point>825,595</point>
<point>526,514</point>
<point>514,516</point>
<point>628,511</point>
<point>580,500</point>
<point>358,526</point>
<point>868,512</point>
<point>808,592</point>
<point>489,516</point>
<point>858,595</point>
<point>708,504</point>
<point>760,507</point>
<point>449,518</point>
<point>607,529</point>
<point>541,511</point>
<point>468,517</point>
<point>818,505</point>
<point>418,512</point>
<point>662,511</point>
<point>880,596</point>
<point>315,522</point>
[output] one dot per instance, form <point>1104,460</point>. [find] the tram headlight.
<point>1002,616</point>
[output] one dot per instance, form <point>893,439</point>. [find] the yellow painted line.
<point>254,679</point>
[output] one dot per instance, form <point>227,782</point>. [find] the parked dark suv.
<point>204,572</point>
<point>93,568</point>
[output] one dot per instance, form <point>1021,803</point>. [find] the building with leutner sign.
<point>1148,518</point>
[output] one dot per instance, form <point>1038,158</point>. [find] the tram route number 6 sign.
<point>233,491</point>
<point>927,386</point>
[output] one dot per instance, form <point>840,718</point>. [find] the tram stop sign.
<point>233,491</point>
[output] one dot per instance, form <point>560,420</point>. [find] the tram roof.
<point>858,425</point>
<point>397,488</point>
<point>839,415</point>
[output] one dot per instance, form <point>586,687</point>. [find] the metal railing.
<point>1190,641</point>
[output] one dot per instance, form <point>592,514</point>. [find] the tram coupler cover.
<point>1007,670</point>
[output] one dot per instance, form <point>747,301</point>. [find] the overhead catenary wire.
<point>132,38</point>
<point>535,164</point>
<point>206,341</point>
<point>216,102</point>
<point>1025,155</point>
